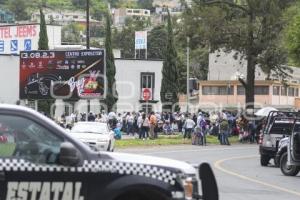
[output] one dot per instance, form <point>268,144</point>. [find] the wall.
<point>223,66</point>
<point>9,79</point>
<point>128,82</point>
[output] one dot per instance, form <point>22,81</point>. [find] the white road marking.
<point>218,165</point>
<point>193,150</point>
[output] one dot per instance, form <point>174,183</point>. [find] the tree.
<point>169,83</point>
<point>157,38</point>
<point>145,4</point>
<point>292,34</point>
<point>43,37</point>
<point>71,34</point>
<point>249,27</point>
<point>43,105</point>
<point>19,8</point>
<point>111,91</point>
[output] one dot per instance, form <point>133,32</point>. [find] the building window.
<point>276,90</point>
<point>240,90</point>
<point>217,90</point>
<point>148,81</point>
<point>283,91</point>
<point>261,90</point>
<point>258,90</point>
<point>147,108</point>
<point>296,92</point>
<point>291,91</point>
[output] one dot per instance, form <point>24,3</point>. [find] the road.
<point>237,169</point>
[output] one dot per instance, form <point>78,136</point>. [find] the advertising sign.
<point>62,74</point>
<point>141,40</point>
<point>24,37</point>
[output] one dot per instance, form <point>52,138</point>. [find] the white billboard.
<point>25,37</point>
<point>141,40</point>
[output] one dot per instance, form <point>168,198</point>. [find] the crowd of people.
<point>194,126</point>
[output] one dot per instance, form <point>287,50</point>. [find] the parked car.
<point>279,125</point>
<point>42,161</point>
<point>96,135</point>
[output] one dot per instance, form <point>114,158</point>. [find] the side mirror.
<point>68,155</point>
<point>208,182</point>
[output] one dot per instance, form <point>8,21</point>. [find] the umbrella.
<point>265,111</point>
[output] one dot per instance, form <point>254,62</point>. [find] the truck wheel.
<point>287,170</point>
<point>264,160</point>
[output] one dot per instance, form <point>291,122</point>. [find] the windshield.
<point>90,128</point>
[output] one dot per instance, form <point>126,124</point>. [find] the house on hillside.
<point>64,17</point>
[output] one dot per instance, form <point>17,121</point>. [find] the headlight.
<point>190,186</point>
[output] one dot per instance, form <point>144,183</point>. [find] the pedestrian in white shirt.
<point>189,126</point>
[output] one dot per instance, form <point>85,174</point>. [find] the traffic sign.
<point>1,46</point>
<point>27,45</point>
<point>14,45</point>
<point>147,94</point>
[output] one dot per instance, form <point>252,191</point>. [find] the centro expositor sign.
<point>62,74</point>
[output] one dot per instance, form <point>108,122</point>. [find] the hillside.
<point>23,8</point>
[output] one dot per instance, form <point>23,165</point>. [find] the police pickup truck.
<point>40,161</point>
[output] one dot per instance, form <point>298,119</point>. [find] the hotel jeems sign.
<point>16,38</point>
<point>62,74</point>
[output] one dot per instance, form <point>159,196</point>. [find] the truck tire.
<point>264,160</point>
<point>286,169</point>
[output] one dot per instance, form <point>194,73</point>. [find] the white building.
<point>64,17</point>
<point>121,14</point>
<point>132,77</point>
<point>25,37</point>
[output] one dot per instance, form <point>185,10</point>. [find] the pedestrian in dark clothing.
<point>91,117</point>
<point>224,128</point>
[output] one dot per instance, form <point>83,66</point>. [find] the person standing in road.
<point>153,122</point>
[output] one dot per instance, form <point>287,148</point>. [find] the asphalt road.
<point>237,169</point>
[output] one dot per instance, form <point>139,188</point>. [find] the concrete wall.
<point>225,66</point>
<point>9,79</point>
<point>128,82</point>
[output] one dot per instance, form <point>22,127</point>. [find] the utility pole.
<point>88,42</point>
<point>187,73</point>
<point>88,24</point>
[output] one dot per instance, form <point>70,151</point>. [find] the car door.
<point>29,166</point>
<point>295,145</point>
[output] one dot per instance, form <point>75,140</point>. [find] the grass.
<point>7,149</point>
<point>166,140</point>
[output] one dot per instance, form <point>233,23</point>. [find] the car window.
<point>90,128</point>
<point>25,139</point>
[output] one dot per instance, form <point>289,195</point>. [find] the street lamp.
<point>187,73</point>
<point>88,41</point>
